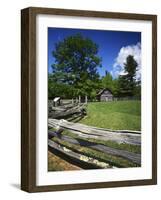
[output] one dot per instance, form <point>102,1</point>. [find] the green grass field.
<point>118,115</point>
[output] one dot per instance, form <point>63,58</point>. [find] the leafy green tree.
<point>107,81</point>
<point>76,63</point>
<point>57,89</point>
<point>115,88</point>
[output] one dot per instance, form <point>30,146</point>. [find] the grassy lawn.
<point>118,115</point>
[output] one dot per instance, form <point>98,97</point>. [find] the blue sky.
<point>114,46</point>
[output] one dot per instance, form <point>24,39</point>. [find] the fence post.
<point>86,99</point>
<point>79,99</point>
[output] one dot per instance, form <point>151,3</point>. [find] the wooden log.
<point>68,106</point>
<point>135,158</point>
<point>92,132</point>
<point>76,116</point>
<point>82,159</point>
<point>59,109</point>
<point>64,107</point>
<point>63,114</point>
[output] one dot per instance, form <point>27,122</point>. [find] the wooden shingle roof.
<point>101,91</point>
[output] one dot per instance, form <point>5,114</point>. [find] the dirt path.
<point>55,163</point>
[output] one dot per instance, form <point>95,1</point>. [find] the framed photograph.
<point>88,99</point>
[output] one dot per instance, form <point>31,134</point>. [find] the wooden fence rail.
<point>66,111</point>
<point>102,148</point>
<point>89,137</point>
<point>85,131</point>
<point>83,161</point>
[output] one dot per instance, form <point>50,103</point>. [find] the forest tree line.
<point>75,72</point>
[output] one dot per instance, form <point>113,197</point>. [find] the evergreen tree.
<point>127,82</point>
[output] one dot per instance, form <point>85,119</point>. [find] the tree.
<point>57,89</point>
<point>107,81</point>
<point>115,88</point>
<point>127,82</point>
<point>76,63</point>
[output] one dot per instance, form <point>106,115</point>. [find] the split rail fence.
<point>86,146</point>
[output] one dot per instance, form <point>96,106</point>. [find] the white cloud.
<point>118,66</point>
